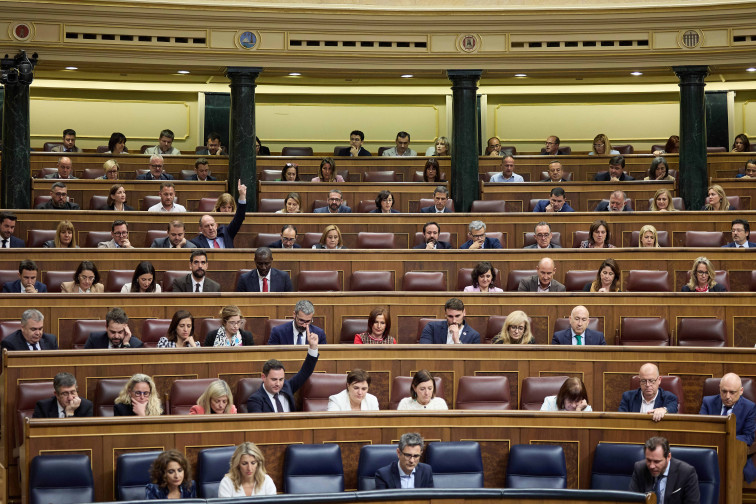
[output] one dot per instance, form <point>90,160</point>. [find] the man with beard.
<point>431,231</point>
<point>196,281</point>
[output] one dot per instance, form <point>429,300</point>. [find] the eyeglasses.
<point>517,328</point>
<point>542,235</point>
<point>648,382</point>
<point>72,393</point>
<point>235,323</point>
<point>302,321</point>
<point>120,233</point>
<point>335,200</point>
<point>139,393</point>
<point>156,165</point>
<point>61,194</point>
<point>411,456</point>
<point>478,237</point>
<point>702,273</point>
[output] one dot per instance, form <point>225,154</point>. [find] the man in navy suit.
<point>355,148</point>
<point>729,401</point>
<point>214,236</point>
<point>212,146</point>
<point>543,236</point>
<point>31,335</point>
<point>741,232</point>
<point>476,231</point>
<point>264,278</point>
<point>452,331</point>
<point>335,204</point>
<point>431,231</point>
<point>298,332</point>
<point>156,170</point>
<point>649,398</point>
<point>27,280</point>
<point>578,333</point>
<point>617,203</point>
<point>117,333</point>
<point>288,238</point>
<point>276,394</point>
<point>202,171</point>
<point>440,197</point>
<point>616,172</point>
<point>7,226</point>
<point>672,480</point>
<point>66,402</point>
<point>555,203</point>
<point>408,472</point>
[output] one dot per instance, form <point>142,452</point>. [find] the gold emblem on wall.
<point>247,39</point>
<point>468,43</point>
<point>690,39</point>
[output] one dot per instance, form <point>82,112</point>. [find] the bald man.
<point>543,281</point>
<point>578,333</point>
<point>729,401</point>
<point>649,398</point>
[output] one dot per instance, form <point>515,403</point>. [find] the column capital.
<point>240,73</point>
<point>464,77</point>
<point>691,74</point>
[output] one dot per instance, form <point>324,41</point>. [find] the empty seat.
<point>313,469</point>
<point>401,386</point>
<point>105,395</point>
<point>464,278</point>
<point>488,206</point>
<point>367,240</point>
<point>150,200</point>
<point>270,204</point>
<point>187,174</point>
<point>380,176</point>
<point>722,277</point>
<point>296,151</point>
<point>318,281</point>
<point>311,239</point>
<point>515,276</point>
<point>153,330</point>
<point>661,236</point>
<point>61,479</point>
<point>270,324</point>
<point>624,149</point>
<point>83,328</point>
<point>644,331</point>
<point>706,464</point>
<point>8,327</point>
<point>372,458</point>
<point>170,275</point>
<point>266,239</point>
<point>613,465</point>
<point>245,388</point>
<point>734,202</point>
<point>536,466</point>
<point>10,276</point>
<point>456,464</point>
<point>371,281</point>
<point>669,383</point>
<point>704,239</point>
<point>494,326</point>
<point>350,327</point>
<point>556,238</point>
<point>701,331</point>
<point>152,235</point>
<point>575,280</point>
<point>536,388</point>
<point>212,465</point>
<point>578,237</point>
<point>95,237</point>
<point>93,173</point>
<point>647,281</point>
<point>205,326</point>
<point>366,206</point>
<point>483,392</point>
<point>27,395</point>
<point>133,474</point>
<point>415,281</point>
<point>319,387</point>
<point>37,237</point>
<point>184,394</point>
<point>117,279</point>
<point>98,202</point>
<point>207,204</point>
<point>270,175</point>
<point>41,199</point>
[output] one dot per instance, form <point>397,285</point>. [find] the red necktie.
<point>215,244</point>
<point>265,285</point>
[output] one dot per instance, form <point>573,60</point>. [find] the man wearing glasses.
<point>649,398</point>
<point>476,231</point>
<point>264,278</point>
<point>156,170</point>
<point>66,401</point>
<point>408,472</point>
<point>58,199</point>
<point>552,146</point>
<point>116,335</point>
<point>335,204</point>
<point>543,237</point>
<point>299,330</point>
<point>120,233</point>
<point>288,238</point>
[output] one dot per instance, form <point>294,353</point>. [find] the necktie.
<point>265,285</point>
<point>196,287</point>
<point>279,406</point>
<point>726,411</point>
<point>657,489</point>
<point>5,243</point>
<point>300,339</point>
<point>216,244</point>
<point>63,414</point>
<point>35,347</point>
<point>579,338</point>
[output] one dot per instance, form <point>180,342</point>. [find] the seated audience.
<point>330,239</point>
<point>402,146</point>
<point>552,146</point>
<point>292,203</point>
<point>264,278</point>
<point>379,329</point>
<point>602,146</point>
<point>327,172</point>
<point>749,171</point>
<point>431,232</point>
<point>171,477</point>
<point>572,396</point>
<point>117,199</point>
<point>731,401</point>
<point>31,336</point>
<point>211,235</point>
<point>650,398</point>
<point>476,232</point>
<point>246,475</point>
<point>217,399</point>
<point>741,232</point>
<point>225,204</point>
<point>453,330</point>
<point>516,330</point>
<point>483,277</point>
<point>507,173</point>
<point>355,148</point>
<point>66,402</point>
<point>717,199</point>
<point>493,147</point>
<point>86,279</point>
<point>422,394</point>
<point>231,332</point>
<point>299,330</point>
<point>335,204</point>
<point>260,149</point>
<point>555,203</point>
<point>617,203</point>
<point>167,203</point>
<point>442,147</point>
<point>702,276</point>
<point>654,475</point>
<point>138,397</point>
<point>659,170</point>
<point>65,236</point>
<point>288,238</point>
<point>176,237</point>
<point>117,333</point>
<point>408,472</point>
<point>384,203</point>
<point>7,227</point>
<point>598,236</point>
<point>65,170</point>
<point>27,283</point>
<point>144,280</point>
<point>111,170</point>
<point>543,237</point>
<point>648,237</point>
<point>662,201</point>
<point>671,147</point>
<point>202,171</point>
<point>58,199</point>
<point>543,280</point>
<point>355,397</point>
<point>212,146</point>
<point>556,173</point>
<point>608,278</point>
<point>440,196</point>
<point>117,144</point>
<point>578,333</point>
<point>290,173</point>
<point>156,169</point>
<point>432,172</point>
<point>165,145</point>
<point>741,144</point>
<point>616,172</point>
<point>119,230</point>
<point>69,142</point>
<point>180,333</point>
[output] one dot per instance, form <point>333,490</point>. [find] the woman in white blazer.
<point>355,397</point>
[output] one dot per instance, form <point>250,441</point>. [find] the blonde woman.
<point>602,146</point>
<point>648,237</point>
<point>516,330</point>
<point>225,203</point>
<point>716,199</point>
<point>246,476</point>
<point>111,170</point>
<point>216,399</point>
<point>65,236</point>
<point>702,278</point>
<point>138,397</point>
<point>230,333</point>
<point>330,239</point>
<point>442,147</point>
<point>662,201</point>
<point>292,203</point>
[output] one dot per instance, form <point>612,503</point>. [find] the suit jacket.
<point>259,402</point>
<point>605,177</point>
<point>591,337</point>
<point>439,245</point>
<point>435,332</point>
<point>226,232</point>
<point>111,244</point>
<point>542,204</point>
<point>57,177</point>
<point>716,288</point>
<point>206,152</point>
<point>68,287</point>
<point>388,476</point>
<point>210,178</point>
<point>16,341</point>
<point>744,411</point>
<point>604,207</point>
<point>432,209</point>
<point>342,209</point>
<point>531,285</point>
<point>732,245</point>
<point>100,340</point>
<point>148,175</point>
<point>15,287</point>
<point>346,152</point>
<point>250,282</point>
<point>62,148</point>
<point>284,334</point>
<point>126,208</point>
<point>165,242</point>
<point>247,339</point>
<point>279,245</point>
<point>48,408</point>
<point>375,210</point>
<point>48,206</point>
<point>535,246</point>
<point>632,400</point>
<point>682,482</point>
<point>17,242</point>
<point>488,243</point>
<point>187,285</point>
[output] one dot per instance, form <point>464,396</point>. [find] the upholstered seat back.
<point>536,466</point>
<point>456,464</point>
<point>313,469</point>
<point>372,458</point>
<point>613,465</point>
<point>133,474</point>
<point>60,479</point>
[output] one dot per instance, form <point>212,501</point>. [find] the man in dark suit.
<point>453,330</point>
<point>672,480</point>
<point>552,146</point>
<point>212,146</point>
<point>212,235</point>
<point>335,204</point>
<point>156,170</point>
<point>264,278</point>
<point>276,394</point>
<point>543,236</point>
<point>741,232</point>
<point>543,281</point>
<point>408,472</point>
<point>440,197</point>
<point>616,171</point>
<point>356,138</point>
<point>65,170</point>
<point>176,237</point>
<point>7,227</point>
<point>27,280</point>
<point>288,238</point>
<point>431,231</point>
<point>729,401</point>
<point>66,402</point>
<point>578,333</point>
<point>196,281</point>
<point>476,232</point>
<point>58,199</point>
<point>617,203</point>
<point>202,171</point>
<point>555,173</point>
<point>31,335</point>
<point>555,203</point>
<point>298,332</point>
<point>649,398</point>
<point>117,333</point>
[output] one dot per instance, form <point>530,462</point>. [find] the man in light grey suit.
<point>543,237</point>
<point>544,280</point>
<point>176,237</point>
<point>120,233</point>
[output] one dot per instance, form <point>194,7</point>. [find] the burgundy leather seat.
<point>380,176</point>
<point>701,331</point>
<point>149,200</point>
<point>367,240</point>
<point>483,393</point>
<point>105,395</point>
<point>296,151</point>
<point>265,239</point>
<point>117,279</point>
<point>704,239</point>
<point>311,239</point>
<point>270,324</point>
<point>488,206</point>
<point>350,327</point>
<point>372,281</point>
<point>8,327</point>
<point>415,281</point>
<point>647,281</point>
<point>515,276</point>
<point>170,275</point>
<point>152,235</point>
<point>536,388</point>
<point>27,395</point>
<point>83,328</point>
<point>421,323</point>
<point>37,237</point>
<point>493,327</point>
<point>318,281</point>
<point>53,279</point>
<point>366,206</point>
<point>95,237</point>
<point>644,331</point>
<point>98,202</point>
<point>245,388</point>
<point>207,204</point>
<point>270,204</point>
<point>319,387</point>
<point>575,280</point>
<point>184,394</point>
<point>153,330</point>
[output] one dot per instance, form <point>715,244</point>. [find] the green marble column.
<point>16,175</point>
<point>694,179</point>
<point>464,149</point>
<point>242,159</point>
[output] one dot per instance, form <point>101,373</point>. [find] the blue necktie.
<point>657,490</point>
<point>300,339</point>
